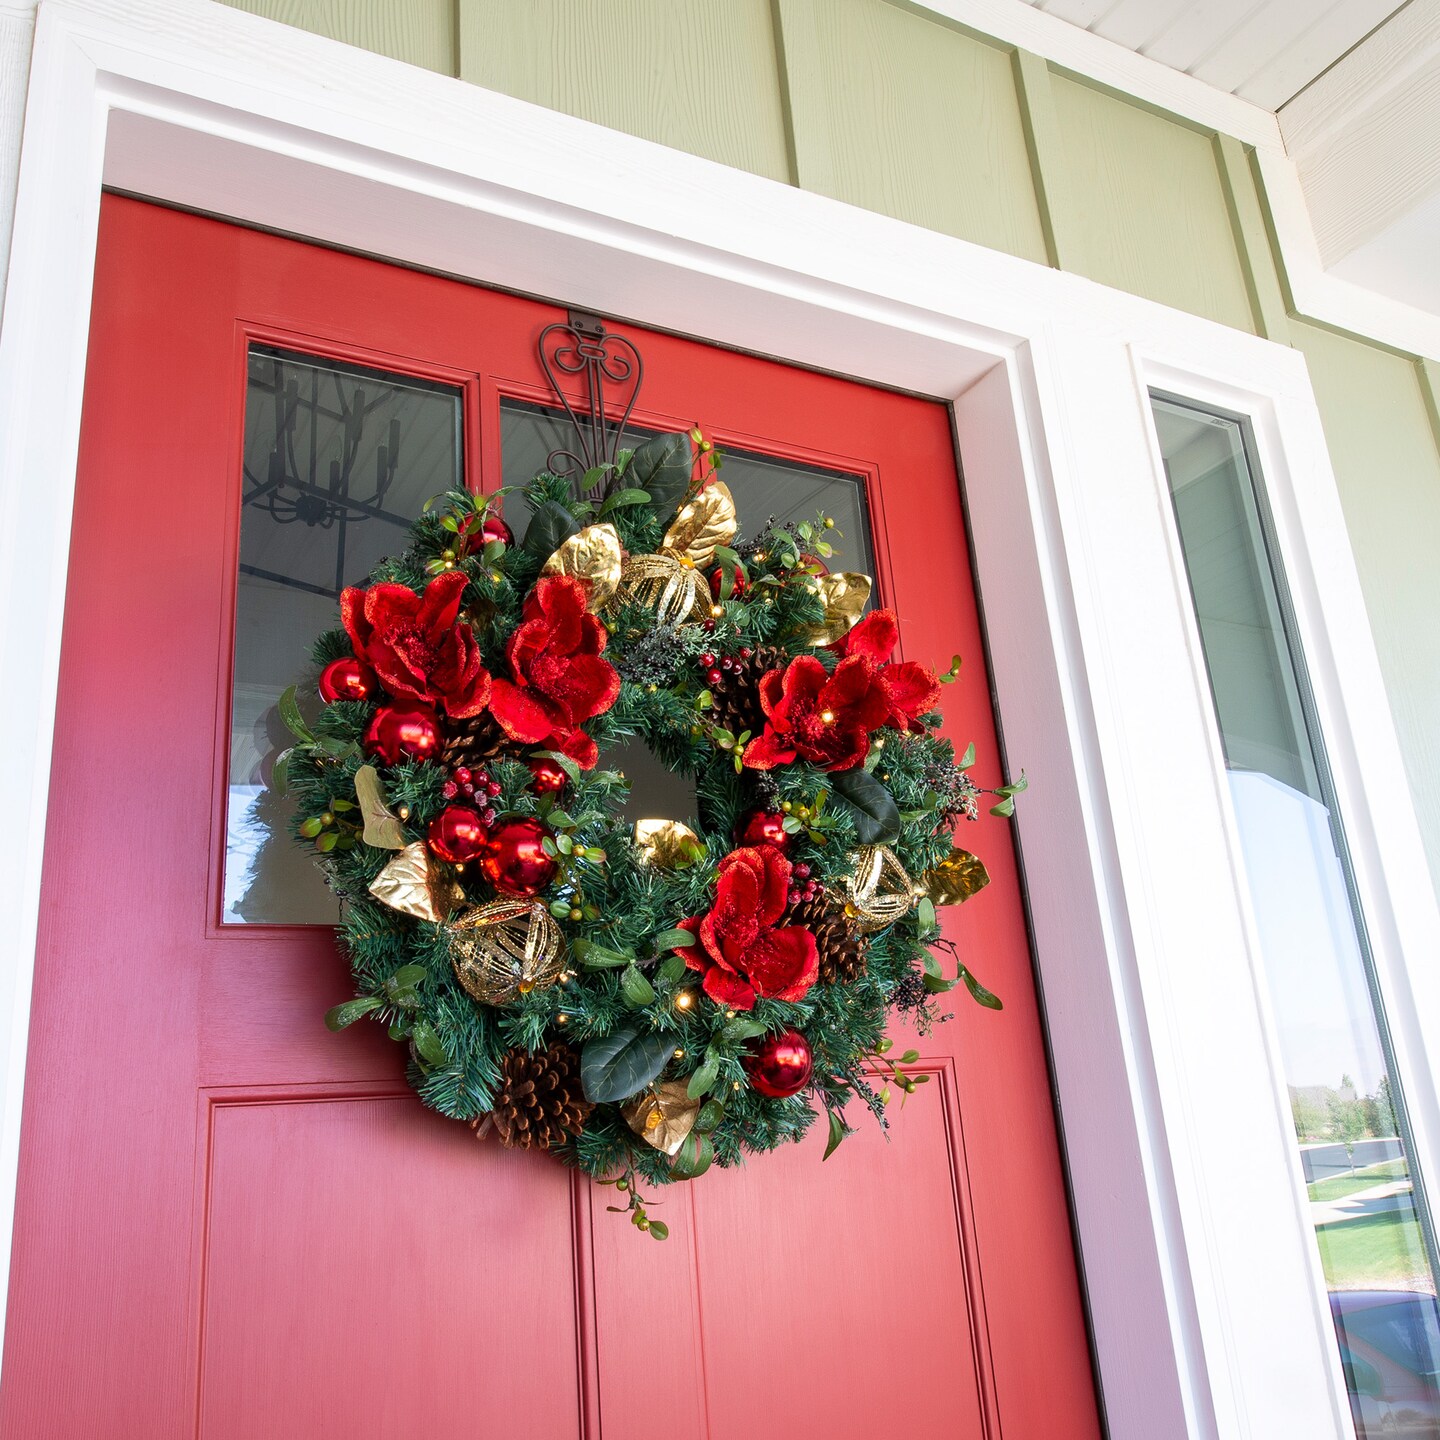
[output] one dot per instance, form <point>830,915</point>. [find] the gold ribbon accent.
<point>955,879</point>
<point>667,844</point>
<point>844,595</point>
<point>671,581</point>
<point>383,829</point>
<point>663,1115</point>
<point>591,554</point>
<point>878,892</point>
<point>415,883</point>
<point>505,949</point>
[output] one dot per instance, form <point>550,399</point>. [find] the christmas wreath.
<point>639,997</point>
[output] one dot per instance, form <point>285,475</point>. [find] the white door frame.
<point>1207,1311</point>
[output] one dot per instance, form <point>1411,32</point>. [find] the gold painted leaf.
<point>417,884</point>
<point>955,879</point>
<point>382,826</point>
<point>591,554</point>
<point>844,595</point>
<point>663,1115</point>
<point>707,521</point>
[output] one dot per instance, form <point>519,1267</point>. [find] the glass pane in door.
<point>1369,1215</point>
<point>338,461</point>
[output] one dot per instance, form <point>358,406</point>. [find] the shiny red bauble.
<point>397,731</point>
<point>762,827</point>
<point>457,834</point>
<point>717,582</point>
<point>547,777</point>
<point>492,527</point>
<point>515,862</point>
<point>780,1065</point>
<point>347,679</point>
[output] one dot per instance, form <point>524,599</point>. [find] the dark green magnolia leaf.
<point>877,819</point>
<point>838,1131</point>
<point>979,993</point>
<point>694,1156</point>
<point>614,1067</point>
<point>350,1011</point>
<point>622,498</point>
<point>661,466</point>
<point>636,989</point>
<point>294,721</point>
<point>428,1045</point>
<point>550,527</point>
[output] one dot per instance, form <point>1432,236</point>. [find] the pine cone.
<point>737,696</point>
<point>540,1103</point>
<point>842,952</point>
<point>472,742</point>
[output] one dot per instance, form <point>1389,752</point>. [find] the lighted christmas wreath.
<point>637,997</point>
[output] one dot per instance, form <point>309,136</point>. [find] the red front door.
<point>232,1223</point>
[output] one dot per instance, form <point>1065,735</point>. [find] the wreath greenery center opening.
<point>640,998</point>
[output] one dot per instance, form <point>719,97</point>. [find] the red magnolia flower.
<point>414,645</point>
<point>815,716</point>
<point>557,679</point>
<point>911,689</point>
<point>742,954</point>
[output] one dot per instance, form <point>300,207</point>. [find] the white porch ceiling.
<point>1265,51</point>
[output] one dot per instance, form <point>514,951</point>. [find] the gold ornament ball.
<point>504,950</point>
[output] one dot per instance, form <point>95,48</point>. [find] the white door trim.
<point>1206,1316</point>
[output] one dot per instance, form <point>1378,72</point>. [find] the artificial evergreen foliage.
<point>620,914</point>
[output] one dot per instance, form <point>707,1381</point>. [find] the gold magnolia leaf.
<point>663,1115</point>
<point>955,879</point>
<point>667,844</point>
<point>707,521</point>
<point>383,829</point>
<point>591,554</point>
<point>415,883</point>
<point>844,595</point>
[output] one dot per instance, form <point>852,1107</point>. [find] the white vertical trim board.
<point>1206,1320</point>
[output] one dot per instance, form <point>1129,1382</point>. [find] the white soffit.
<point>1264,51</point>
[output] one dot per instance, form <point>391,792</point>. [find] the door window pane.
<point>763,488</point>
<point>1370,1219</point>
<point>338,461</point>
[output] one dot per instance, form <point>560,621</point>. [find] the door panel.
<point>232,1223</point>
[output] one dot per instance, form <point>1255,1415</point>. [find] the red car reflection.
<point>1390,1349</point>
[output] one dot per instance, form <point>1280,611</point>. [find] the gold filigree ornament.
<point>955,879</point>
<point>505,949</point>
<point>878,892</point>
<point>844,595</point>
<point>667,844</point>
<point>591,554</point>
<point>383,829</point>
<point>416,883</point>
<point>672,581</point>
<point>663,1115</point>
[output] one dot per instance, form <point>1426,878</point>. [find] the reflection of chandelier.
<point>291,488</point>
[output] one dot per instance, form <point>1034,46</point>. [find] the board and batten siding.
<point>882,106</point>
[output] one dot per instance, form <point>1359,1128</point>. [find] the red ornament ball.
<point>547,777</point>
<point>347,679</point>
<point>457,834</point>
<point>492,527</point>
<point>780,1065</point>
<point>762,827</point>
<point>397,731</point>
<point>515,862</point>
<point>717,582</point>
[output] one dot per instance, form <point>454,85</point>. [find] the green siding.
<point>1145,198</point>
<point>871,102</point>
<point>690,74</point>
<point>1383,447</point>
<point>420,32</point>
<point>909,118</point>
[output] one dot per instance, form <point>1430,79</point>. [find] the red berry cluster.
<point>809,890</point>
<point>715,671</point>
<point>473,785</point>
